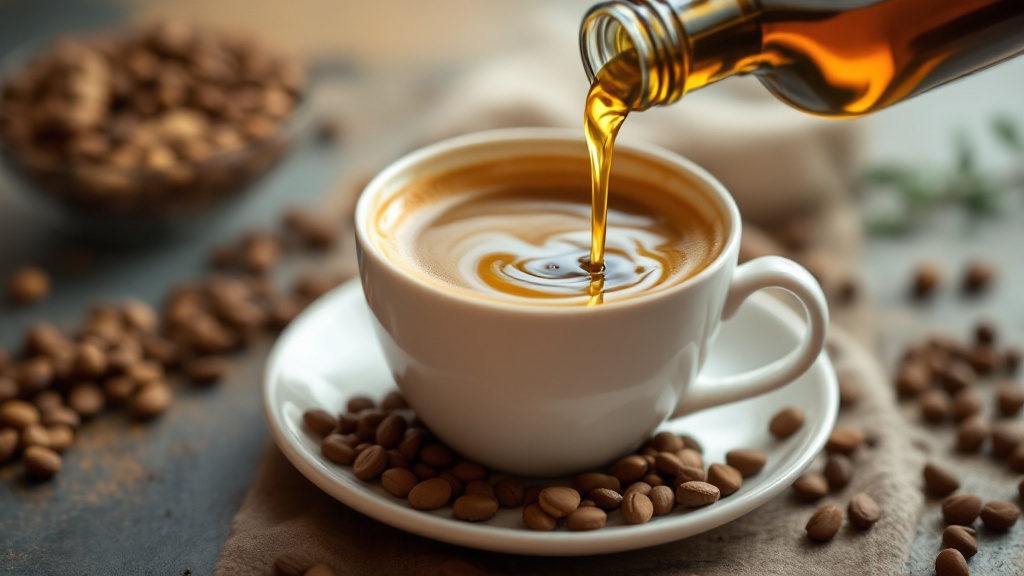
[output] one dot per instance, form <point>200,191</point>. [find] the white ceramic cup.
<point>552,390</point>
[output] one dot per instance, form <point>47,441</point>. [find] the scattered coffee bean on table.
<point>838,471</point>
<point>1009,399</point>
<point>939,481</point>
<point>863,512</point>
<point>971,434</point>
<point>978,276</point>
<point>961,509</point>
<point>962,538</point>
<point>950,562</point>
<point>927,277</point>
<point>844,441</point>
<point>811,487</point>
<point>999,515</point>
<point>824,523</point>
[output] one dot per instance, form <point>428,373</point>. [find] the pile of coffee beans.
<point>127,355</point>
<point>155,122</point>
<point>385,442</point>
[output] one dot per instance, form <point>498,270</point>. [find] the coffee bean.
<point>437,455</point>
<point>536,519</point>
<point>319,570</point>
<point>689,473</point>
<point>999,515</point>
<point>824,523</point>
<point>936,406</point>
<point>629,469</point>
<point>811,487</point>
<point>962,509</point>
<point>479,487</point>
<point>369,420</point>
<point>394,400</point>
<point>605,499</point>
<point>939,481</point>
<point>913,378</point>
<point>838,471</point>
<point>863,511</point>
<point>35,435</point>
<point>667,463</point>
<point>950,562</point>
<point>430,494</point>
<point>8,388</point>
<point>1009,399</point>
<point>985,332</point>
<point>984,359</point>
<point>41,463</point>
<point>786,422</point>
<point>978,276</point>
<point>61,416</point>
<point>966,403</point>
<point>357,404</point>
<point>961,538</point>
<point>29,284</point>
<point>690,458</point>
<point>636,508</point>
<point>640,487</point>
<point>475,507</point>
<point>61,437</point>
<point>850,389</point>
<point>695,494</point>
<point>558,501</point>
<point>370,463</point>
<point>971,434</point>
<point>468,471</point>
<point>726,478</point>
<point>424,471</point>
<point>18,414</point>
<point>411,442</point>
<point>151,400</point>
<point>509,492</point>
<point>118,390</point>
<point>391,430</point>
<point>957,376</point>
<point>338,449</point>
<point>87,399</point>
<point>206,370</point>
<point>748,462</point>
<point>1012,360</point>
<point>290,565</point>
<point>1006,436</point>
<point>691,443</point>
<point>35,375</point>
<point>666,442</point>
<point>319,421</point>
<point>927,277</point>
<point>458,486</point>
<point>663,499</point>
<point>844,441</point>
<point>398,481</point>
<point>584,519</point>
<point>588,481</point>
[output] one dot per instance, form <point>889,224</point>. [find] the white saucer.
<point>330,353</point>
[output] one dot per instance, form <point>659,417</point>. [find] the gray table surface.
<point>159,498</point>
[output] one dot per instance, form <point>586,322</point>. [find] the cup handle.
<point>757,274</point>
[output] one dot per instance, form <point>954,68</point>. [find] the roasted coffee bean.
<point>689,473</point>
<point>319,570</point>
<point>666,442</point>
<point>605,498</point>
<point>319,421</point>
<point>1006,436</point>
<point>391,430</point>
<point>437,455</point>
<point>468,471</point>
<point>61,416</point>
<point>927,277</point>
<point>691,443</point>
<point>398,481</point>
<point>151,400</point>
<point>786,422</point>
<point>950,562</point>
<point>863,511</point>
<point>690,458</point>
<point>939,481</point>
<point>396,460</point>
<point>629,469</point>
<point>653,479</point>
<point>1012,360</point>
<point>8,389</point>
<point>393,401</point>
<point>636,508</point>
<point>18,414</point>
<point>586,518</point>
<point>338,450</point>
<point>425,472</point>
<point>587,482</point>
<point>985,332</point>
<point>962,509</point>
<point>370,463</point>
<point>936,406</point>
<point>509,492</point>
<point>347,423</point>
<point>411,443</point>
<point>961,538</point>
<point>558,501</point>
<point>811,487</point>
<point>357,404</point>
<point>35,435</point>
<point>479,487</point>
<point>475,507</point>
<point>978,276</point>
<point>838,471</point>
<point>119,389</point>
<point>86,399</point>
<point>913,378</point>
<point>35,375</point>
<point>61,437</point>
<point>41,463</point>
<point>984,359</point>
<point>695,494</point>
<point>748,462</point>
<point>663,499</point>
<point>369,420</point>
<point>726,478</point>
<point>966,403</point>
<point>958,376</point>
<point>641,487</point>
<point>1009,399</point>
<point>29,284</point>
<point>430,494</point>
<point>290,565</point>
<point>999,515</point>
<point>971,434</point>
<point>537,519</point>
<point>8,444</point>
<point>850,389</point>
<point>667,463</point>
<point>206,370</point>
<point>824,523</point>
<point>844,441</point>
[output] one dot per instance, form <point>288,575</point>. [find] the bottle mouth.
<point>651,30</point>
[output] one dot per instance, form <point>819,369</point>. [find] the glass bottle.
<point>840,58</point>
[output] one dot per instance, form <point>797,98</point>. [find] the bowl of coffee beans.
<point>146,127</point>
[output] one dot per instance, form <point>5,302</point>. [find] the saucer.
<point>330,353</point>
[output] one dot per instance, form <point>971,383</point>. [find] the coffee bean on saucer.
<point>336,449</point>
<point>978,276</point>
<point>726,478</point>
<point>690,457</point>
<point>394,400</point>
<point>458,486</point>
<point>629,469</point>
<point>319,421</point>
<point>654,479</point>
<point>479,487</point>
<point>936,406</point>
<point>927,277</point>
<point>667,463</point>
<point>838,471</point>
<point>357,404</point>
<point>537,519</point>
<point>999,515</point>
<point>939,481</point>
<point>666,442</point>
<point>984,359</point>
<point>688,474</point>
<point>558,501</point>
<point>695,494</point>
<point>28,285</point>
<point>605,498</point>
<point>663,498</point>
<point>636,508</point>
<point>844,441</point>
<point>586,518</point>
<point>811,487</point>
<point>370,463</point>
<point>1009,399</point>
<point>411,442</point>
<point>390,431</point>
<point>691,443</point>
<point>985,332</point>
<point>475,507</point>
<point>961,538</point>
<point>40,462</point>
<point>1006,436</point>
<point>824,523</point>
<point>437,455</point>
<point>369,420</point>
<point>950,562</point>
<point>863,511</point>
<point>961,509</point>
<point>510,492</point>
<point>966,403</point>
<point>786,422</point>
<point>748,462</point>
<point>424,471</point>
<point>589,481</point>
<point>430,494</point>
<point>641,487</point>
<point>971,434</point>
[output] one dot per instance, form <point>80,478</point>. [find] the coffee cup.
<point>537,389</point>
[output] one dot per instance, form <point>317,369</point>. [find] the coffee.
<point>520,233</point>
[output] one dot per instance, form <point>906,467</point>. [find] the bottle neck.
<point>679,46</point>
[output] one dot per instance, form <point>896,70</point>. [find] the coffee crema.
<point>494,232</point>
